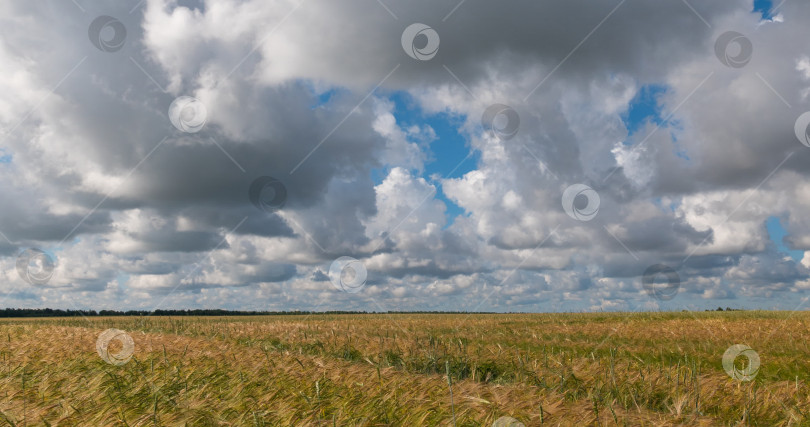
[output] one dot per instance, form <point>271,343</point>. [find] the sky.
<point>518,156</point>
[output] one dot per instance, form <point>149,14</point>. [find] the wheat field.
<point>405,370</point>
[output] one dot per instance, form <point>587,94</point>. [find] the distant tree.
<point>49,312</point>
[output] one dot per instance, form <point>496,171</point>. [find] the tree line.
<point>51,312</point>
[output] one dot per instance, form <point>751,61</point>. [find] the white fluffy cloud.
<point>138,213</point>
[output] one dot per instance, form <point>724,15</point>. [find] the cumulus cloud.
<point>322,97</point>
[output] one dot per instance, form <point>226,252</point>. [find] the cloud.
<point>323,98</point>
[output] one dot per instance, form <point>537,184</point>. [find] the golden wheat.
<point>575,369</point>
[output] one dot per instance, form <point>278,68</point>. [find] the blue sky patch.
<point>323,98</point>
<point>446,153</point>
<point>764,7</point>
<point>644,107</point>
<point>777,234</point>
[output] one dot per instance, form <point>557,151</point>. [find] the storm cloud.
<point>143,197</point>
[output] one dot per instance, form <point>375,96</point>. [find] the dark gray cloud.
<point>149,208</point>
